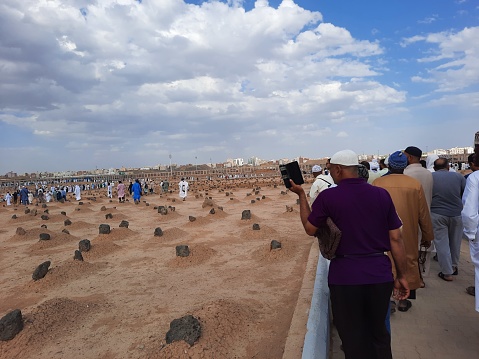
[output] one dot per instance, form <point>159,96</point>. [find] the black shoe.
<point>456,272</point>
<point>404,305</point>
<point>471,291</point>
<point>435,257</point>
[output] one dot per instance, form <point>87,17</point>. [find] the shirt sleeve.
<point>318,213</point>
<point>470,210</point>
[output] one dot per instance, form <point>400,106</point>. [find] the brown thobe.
<point>411,206</point>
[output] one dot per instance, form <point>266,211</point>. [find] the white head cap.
<point>316,168</point>
<point>345,158</point>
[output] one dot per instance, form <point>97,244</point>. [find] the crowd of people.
<point>44,193</point>
<point>395,216</point>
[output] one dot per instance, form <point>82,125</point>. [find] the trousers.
<point>359,314</point>
<point>447,239</point>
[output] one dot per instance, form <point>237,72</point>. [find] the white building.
<point>238,162</point>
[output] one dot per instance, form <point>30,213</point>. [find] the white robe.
<point>183,185</point>
<point>470,221</point>
<point>8,198</point>
<point>77,193</point>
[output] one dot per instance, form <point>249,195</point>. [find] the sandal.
<point>404,307</point>
<point>471,291</point>
<point>392,306</point>
<point>456,272</point>
<point>445,277</point>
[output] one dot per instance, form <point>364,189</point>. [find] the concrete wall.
<point>317,339</point>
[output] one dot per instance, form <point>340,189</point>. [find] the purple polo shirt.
<point>365,214</point>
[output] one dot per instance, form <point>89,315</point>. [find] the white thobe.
<point>470,221</point>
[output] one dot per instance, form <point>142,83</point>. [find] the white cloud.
<point>342,134</point>
<point>429,19</point>
<point>455,62</point>
<point>190,77</point>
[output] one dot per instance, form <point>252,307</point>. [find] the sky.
<point>88,84</point>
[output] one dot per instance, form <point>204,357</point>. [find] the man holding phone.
<point>360,276</point>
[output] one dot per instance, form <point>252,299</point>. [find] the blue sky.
<point>113,83</point>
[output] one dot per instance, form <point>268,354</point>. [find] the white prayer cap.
<point>316,168</point>
<point>345,158</point>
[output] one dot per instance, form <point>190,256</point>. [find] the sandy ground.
<point>119,302</point>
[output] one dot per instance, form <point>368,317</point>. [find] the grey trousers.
<point>447,239</point>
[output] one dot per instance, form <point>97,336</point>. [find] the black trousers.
<point>359,314</point>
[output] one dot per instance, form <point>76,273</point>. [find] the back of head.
<point>441,164</point>
<point>366,164</point>
<point>414,152</point>
<point>345,158</point>
<point>316,170</point>
<point>344,164</point>
<point>363,172</point>
<point>397,161</point>
<point>470,158</point>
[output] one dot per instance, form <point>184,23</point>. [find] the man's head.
<point>441,164</point>
<point>366,164</point>
<point>328,163</point>
<point>382,163</point>
<point>316,170</point>
<point>397,162</point>
<point>413,154</point>
<point>476,159</point>
<point>344,164</point>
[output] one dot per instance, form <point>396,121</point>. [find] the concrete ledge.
<point>317,339</point>
<point>297,330</point>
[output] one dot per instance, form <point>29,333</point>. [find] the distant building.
<point>238,162</point>
<point>11,174</point>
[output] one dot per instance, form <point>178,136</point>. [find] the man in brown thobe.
<point>411,206</point>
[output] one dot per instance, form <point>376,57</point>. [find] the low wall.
<point>317,339</point>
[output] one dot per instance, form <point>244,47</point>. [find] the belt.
<point>360,255</point>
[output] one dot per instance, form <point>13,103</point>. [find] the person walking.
<point>360,275</point>
<point>121,192</point>
<point>136,190</point>
<point>446,207</point>
<point>411,205</point>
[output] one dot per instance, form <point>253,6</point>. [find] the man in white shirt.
<point>321,183</point>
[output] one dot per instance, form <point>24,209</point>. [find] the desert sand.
<point>119,302</point>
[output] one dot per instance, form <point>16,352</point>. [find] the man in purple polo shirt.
<point>360,276</point>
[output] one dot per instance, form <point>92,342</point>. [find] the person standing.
<point>321,182</point>
<point>24,195</point>
<point>136,190</point>
<point>109,190</point>
<point>417,171</point>
<point>77,192</point>
<point>165,185</point>
<point>446,207</point>
<point>121,192</point>
<point>360,275</point>
<point>16,194</point>
<point>183,186</point>
<point>411,205</point>
<point>470,219</point>
<point>8,199</point>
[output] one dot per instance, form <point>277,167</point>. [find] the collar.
<point>348,181</point>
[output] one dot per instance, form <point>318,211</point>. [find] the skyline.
<point>127,83</point>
